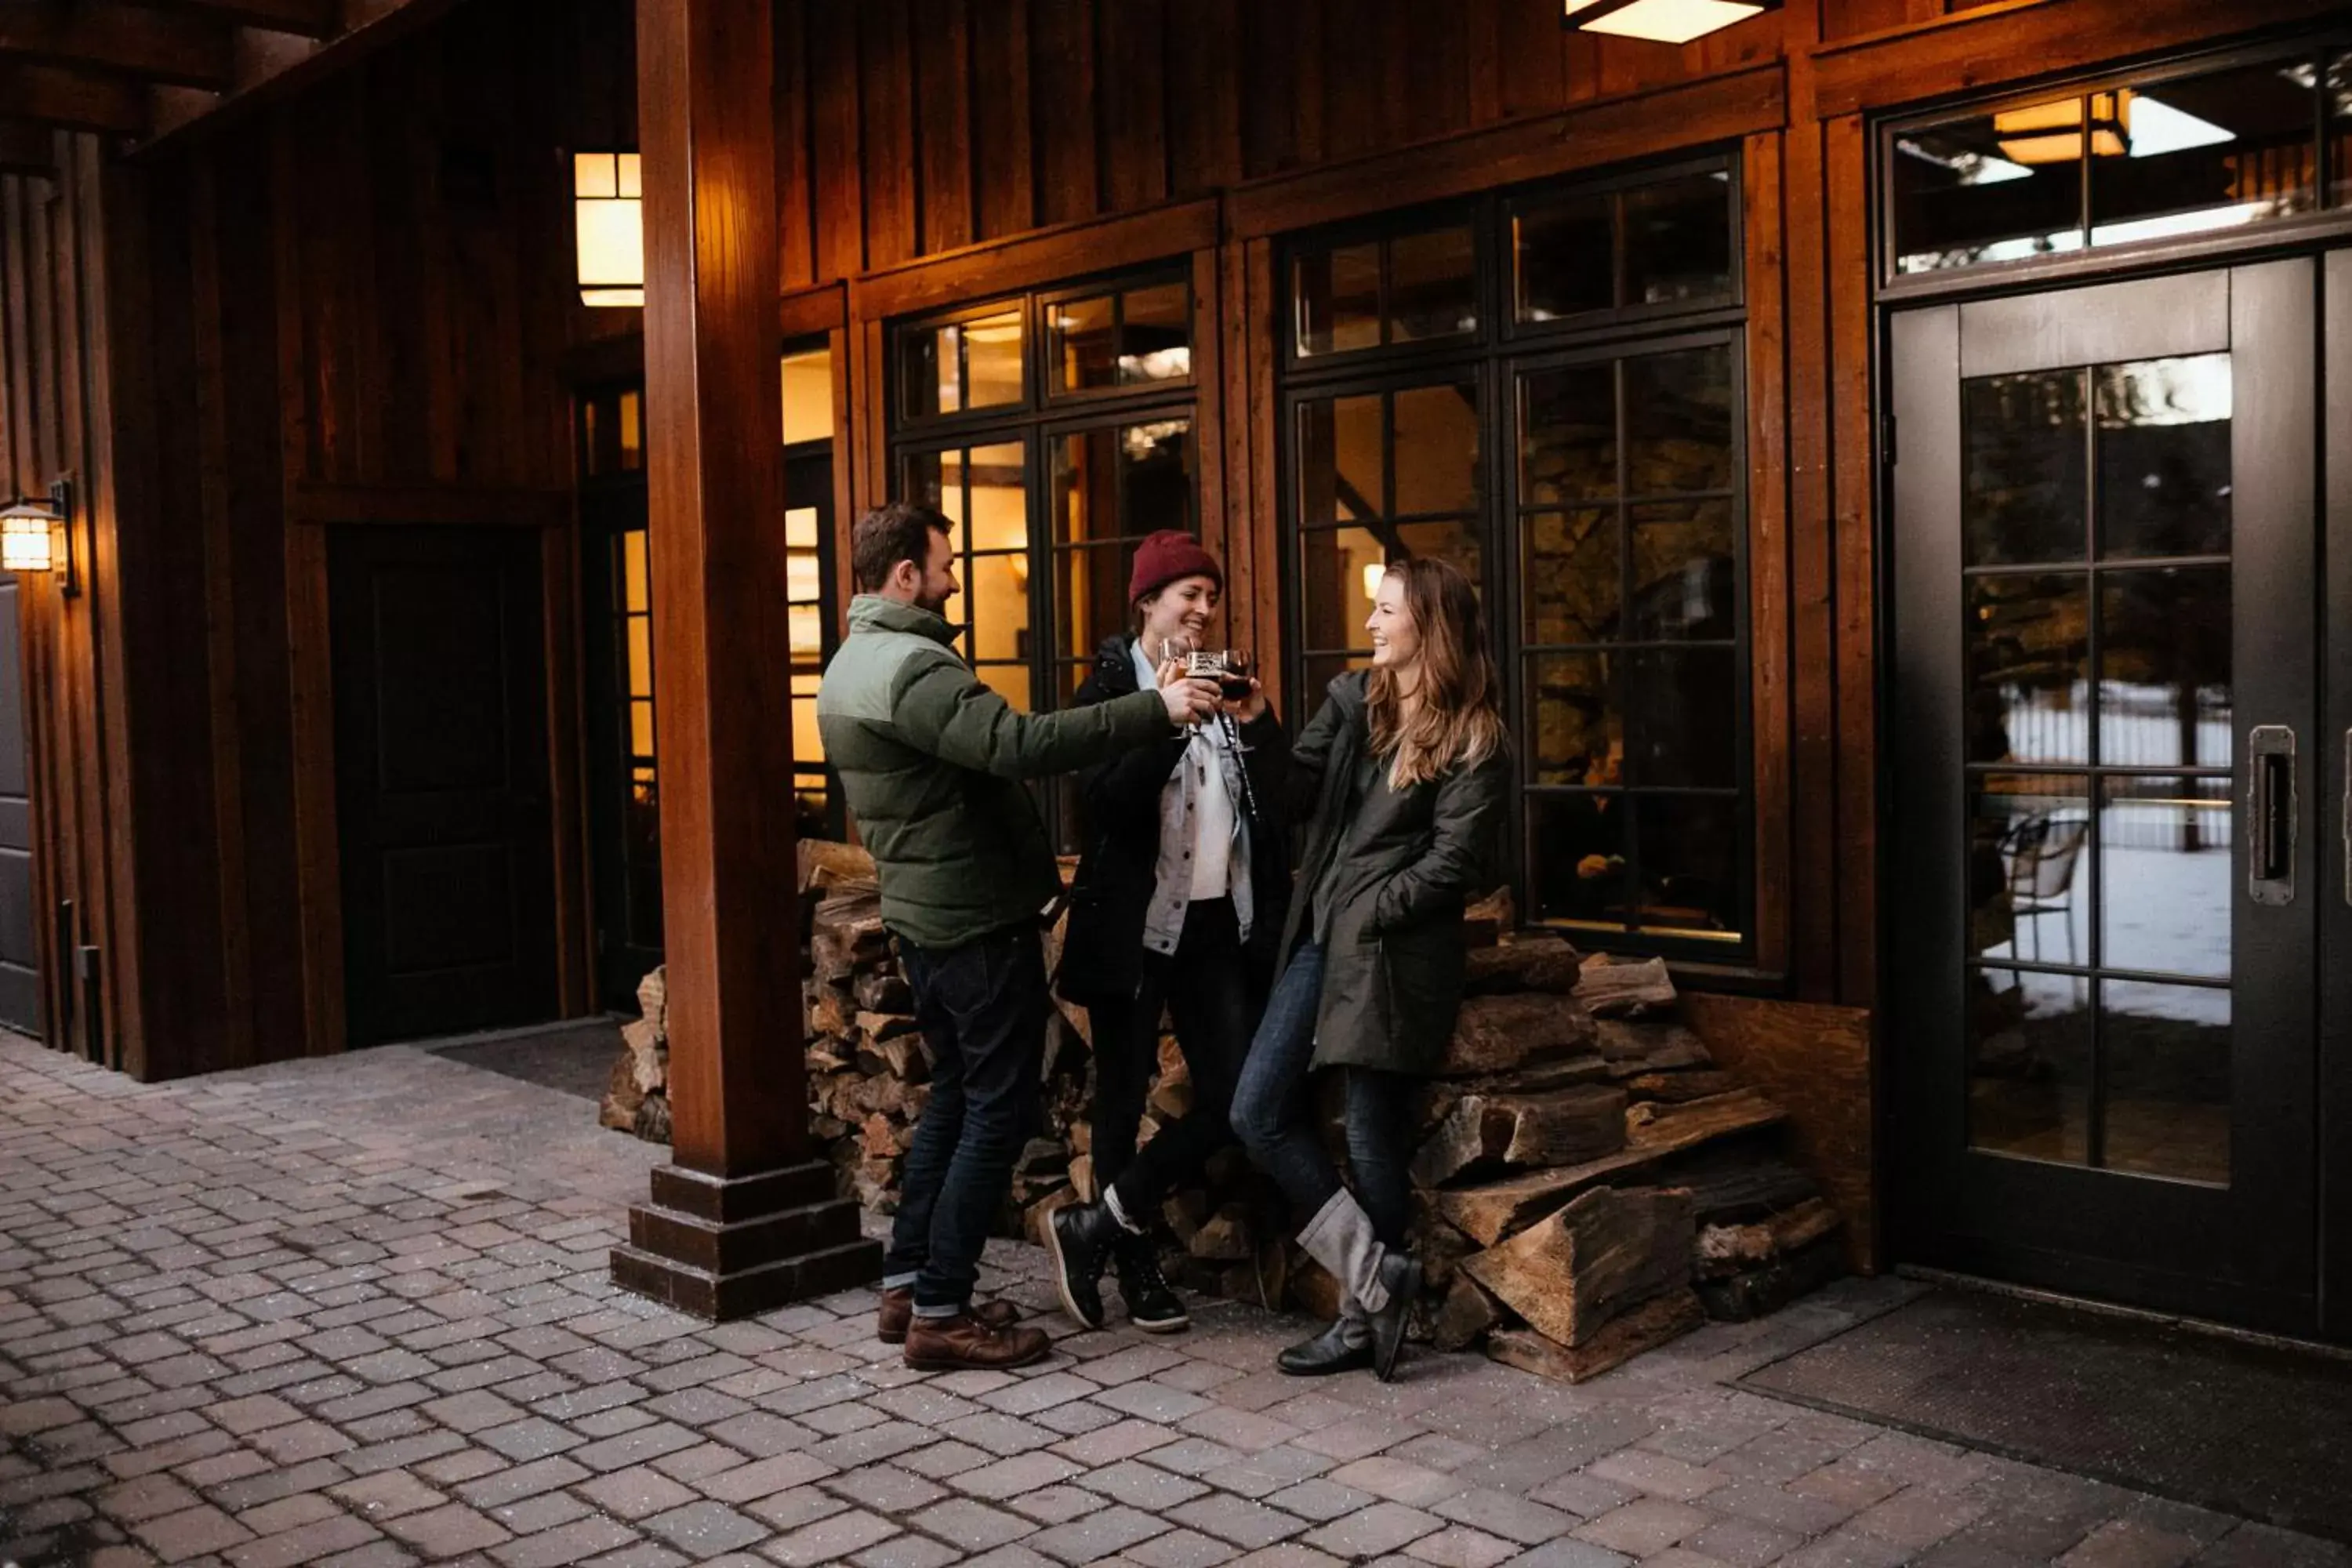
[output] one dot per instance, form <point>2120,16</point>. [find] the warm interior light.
<point>607,194</point>
<point>1663,21</point>
<point>2052,133</point>
<point>1372,575</point>
<point>25,535</point>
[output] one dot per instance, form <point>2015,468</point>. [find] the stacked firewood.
<point>1588,1184</point>
<point>636,1098</point>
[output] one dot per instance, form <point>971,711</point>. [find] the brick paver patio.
<point>354,1313</point>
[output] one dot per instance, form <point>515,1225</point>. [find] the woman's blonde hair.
<point>1459,716</point>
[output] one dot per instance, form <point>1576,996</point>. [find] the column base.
<point>721,1248</point>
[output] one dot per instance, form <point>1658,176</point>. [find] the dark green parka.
<point>1409,860</point>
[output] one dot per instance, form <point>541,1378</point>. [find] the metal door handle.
<point>2270,807</point>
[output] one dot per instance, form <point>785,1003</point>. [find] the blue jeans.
<point>1275,1119</point>
<point>983,1008</point>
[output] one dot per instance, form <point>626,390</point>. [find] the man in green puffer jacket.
<point>931,762</point>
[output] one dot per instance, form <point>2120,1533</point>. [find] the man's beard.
<point>937,606</point>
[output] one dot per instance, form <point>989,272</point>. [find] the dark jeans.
<point>1204,983</point>
<point>983,1008</point>
<point>1275,1119</point>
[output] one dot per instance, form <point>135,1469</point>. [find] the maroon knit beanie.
<point>1164,557</point>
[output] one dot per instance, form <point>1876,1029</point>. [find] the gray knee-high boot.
<point>1341,1238</point>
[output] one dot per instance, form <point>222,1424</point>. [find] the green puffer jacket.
<point>931,762</point>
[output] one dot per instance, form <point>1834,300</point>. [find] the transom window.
<point>2250,140</point>
<point>1543,387</point>
<point>1053,430</point>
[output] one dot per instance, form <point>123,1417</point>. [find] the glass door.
<point>2102,702</point>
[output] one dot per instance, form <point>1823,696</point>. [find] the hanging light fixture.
<point>1661,21</point>
<point>2052,133</point>
<point>38,536</point>
<point>608,207</point>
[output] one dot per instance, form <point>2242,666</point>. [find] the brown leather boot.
<point>964,1341</point>
<point>898,1310</point>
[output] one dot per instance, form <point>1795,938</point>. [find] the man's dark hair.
<point>888,534</point>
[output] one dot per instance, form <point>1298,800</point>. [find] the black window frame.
<point>2330,217</point>
<point>1045,414</point>
<point>1493,358</point>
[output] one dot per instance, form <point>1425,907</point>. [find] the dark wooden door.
<point>441,769</point>
<point>20,978</point>
<point>2104,695</point>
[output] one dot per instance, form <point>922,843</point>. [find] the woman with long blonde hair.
<point>1405,768</point>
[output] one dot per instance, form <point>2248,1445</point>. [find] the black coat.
<point>1102,949</point>
<point>1410,861</point>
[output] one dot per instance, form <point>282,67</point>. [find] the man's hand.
<point>1189,701</point>
<point>1171,670</point>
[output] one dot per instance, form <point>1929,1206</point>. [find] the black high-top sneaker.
<point>1080,1236</point>
<point>1151,1304</point>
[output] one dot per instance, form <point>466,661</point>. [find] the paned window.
<point>2200,151</point>
<point>1556,409</point>
<point>1053,430</point>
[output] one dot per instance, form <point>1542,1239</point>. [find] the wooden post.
<point>744,1219</point>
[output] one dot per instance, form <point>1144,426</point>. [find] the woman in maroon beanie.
<point>1180,895</point>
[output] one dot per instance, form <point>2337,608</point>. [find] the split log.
<point>1679,1086</point>
<point>1763,1290</point>
<point>1624,990</point>
<point>906,1058</point>
<point>1507,1034</point>
<point>1170,1099</point>
<point>879,1026</point>
<point>1486,1130</point>
<point>1634,1048</point>
<point>880,990</point>
<point>1546,963</point>
<point>1737,1188</point>
<point>1225,1237</point>
<point>823,860</point>
<point>831,1012</point>
<point>1466,1315</point>
<point>648,1057</point>
<point>1314,1290</point>
<point>1653,1132</point>
<point>1722,1250</point>
<point>1659,1128</point>
<point>1606,1252</point>
<point>1485,922</point>
<point>652,999</point>
<point>1645,1328</point>
<point>622,1096</point>
<point>653,1119</point>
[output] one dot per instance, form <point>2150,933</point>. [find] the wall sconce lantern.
<point>608,207</point>
<point>1661,21</point>
<point>38,536</point>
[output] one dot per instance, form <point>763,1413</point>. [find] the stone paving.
<point>354,1313</point>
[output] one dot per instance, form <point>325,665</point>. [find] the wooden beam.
<point>26,149</point>
<point>282,48</point>
<point>311,18</point>
<point>1606,131</point>
<point>2025,39</point>
<point>128,40</point>
<point>75,100</point>
<point>1039,256</point>
<point>711,1242</point>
